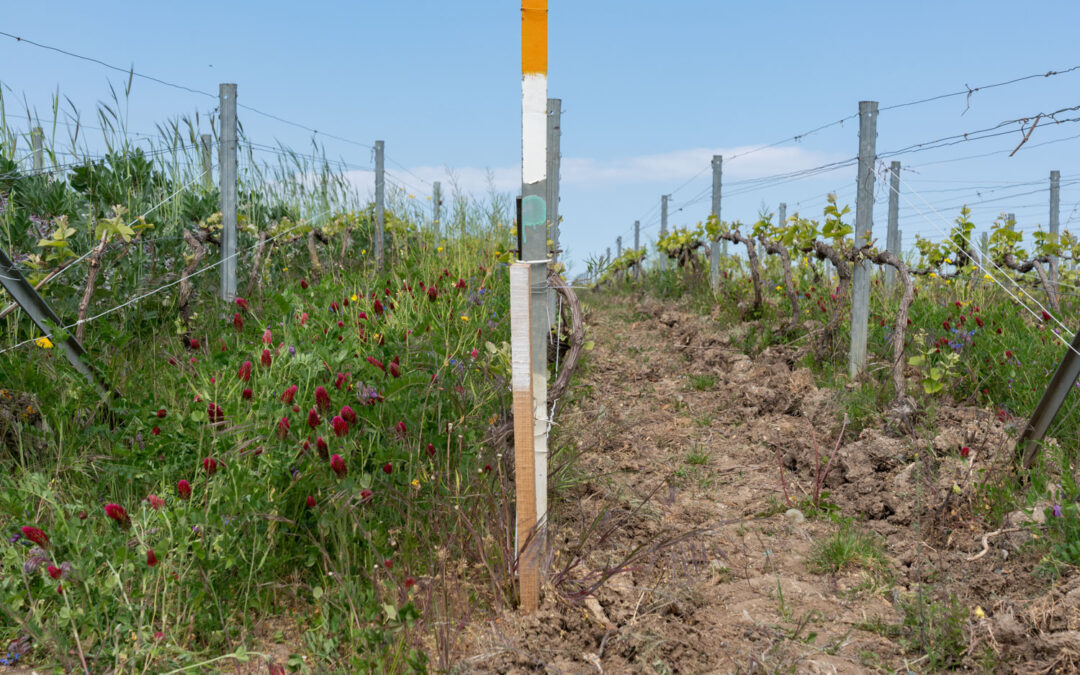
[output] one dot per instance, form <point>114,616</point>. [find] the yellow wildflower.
<point>988,277</point>
<point>363,251</point>
<point>412,196</point>
<point>353,297</point>
<point>44,343</point>
<point>464,318</point>
<point>439,250</point>
<point>415,482</point>
<point>779,288</point>
<point>979,613</point>
<point>932,275</point>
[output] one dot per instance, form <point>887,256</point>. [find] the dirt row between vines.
<point>678,494</point>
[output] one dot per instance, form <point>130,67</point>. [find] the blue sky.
<point>650,91</point>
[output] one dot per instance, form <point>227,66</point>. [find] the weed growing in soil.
<point>847,548</point>
<point>702,382</point>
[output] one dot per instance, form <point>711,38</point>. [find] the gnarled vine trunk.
<point>900,330</point>
<point>755,265</point>
<point>776,248</point>
<point>198,251</point>
<point>843,271</point>
<point>88,292</point>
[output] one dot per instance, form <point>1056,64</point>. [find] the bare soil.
<point>673,549</point>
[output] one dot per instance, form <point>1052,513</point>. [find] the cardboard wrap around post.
<point>528,544</point>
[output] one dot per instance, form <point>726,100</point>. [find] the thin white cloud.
<point>681,165</point>
<point>663,168</point>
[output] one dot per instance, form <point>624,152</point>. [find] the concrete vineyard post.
<point>1055,223</point>
<point>892,237</point>
<point>227,169</point>
<point>637,247</point>
<point>781,216</point>
<point>380,196</point>
<point>532,438</point>
<point>864,225</point>
<point>37,147</point>
<point>206,144</point>
<point>436,197</point>
<point>663,228</point>
<point>715,245</point>
<point>554,160</point>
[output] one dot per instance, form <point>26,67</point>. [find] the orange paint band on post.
<point>534,37</point>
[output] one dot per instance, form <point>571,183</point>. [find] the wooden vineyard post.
<point>528,541</point>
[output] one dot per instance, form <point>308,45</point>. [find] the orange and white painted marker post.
<point>530,425</point>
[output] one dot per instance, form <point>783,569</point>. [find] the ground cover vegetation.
<point>296,478</point>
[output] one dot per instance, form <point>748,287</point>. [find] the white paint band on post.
<point>521,378</point>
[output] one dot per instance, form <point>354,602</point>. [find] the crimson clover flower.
<point>265,358</point>
<point>965,451</point>
<point>431,450</point>
<point>193,343</point>
<point>310,501</point>
<point>322,447</point>
<point>388,468</point>
<point>247,394</point>
<point>210,466</point>
<point>151,558</point>
<point>238,322</point>
<point>341,427</point>
<point>313,418</point>
<point>338,465</point>
<point>377,308</point>
<point>215,413</point>
<point>289,394</point>
<point>245,371</point>
<point>349,415</point>
<point>400,426</point>
<point>377,363</point>
<point>183,489</point>
<point>157,503</point>
<point>54,571</point>
<point>322,398</point>
<point>267,337</point>
<point>118,514</point>
<point>36,535</point>
<point>432,293</point>
<point>240,302</point>
<point>161,413</point>
<point>283,427</point>
<point>339,382</point>
<point>394,368</point>
<point>366,495</point>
